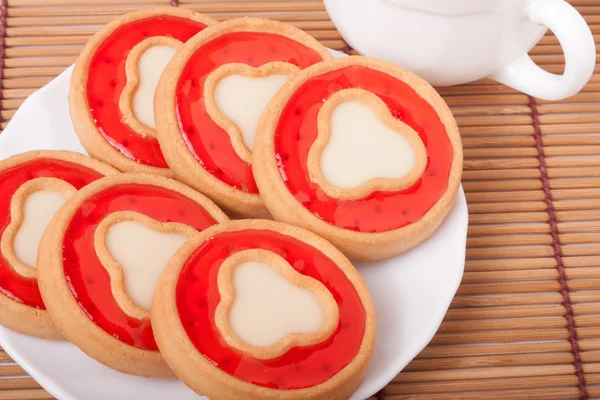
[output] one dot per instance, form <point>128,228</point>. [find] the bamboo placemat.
<point>525,323</point>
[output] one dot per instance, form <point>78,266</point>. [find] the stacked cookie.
<point>138,265</point>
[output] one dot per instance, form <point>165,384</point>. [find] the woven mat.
<point>525,323</point>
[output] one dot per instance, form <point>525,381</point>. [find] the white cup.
<point>449,42</point>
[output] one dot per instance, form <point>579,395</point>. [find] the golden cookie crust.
<point>357,245</point>
<point>85,127</point>
<point>176,152</point>
<point>69,318</point>
<point>202,376</point>
<point>17,316</point>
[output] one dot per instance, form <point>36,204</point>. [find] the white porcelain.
<point>411,292</point>
<point>449,42</point>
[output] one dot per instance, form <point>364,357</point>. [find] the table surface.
<point>525,322</point>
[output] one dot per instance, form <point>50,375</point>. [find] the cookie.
<point>363,153</point>
<point>210,98</point>
<point>33,186</point>
<point>100,259</point>
<point>113,83</point>
<point>257,309</point>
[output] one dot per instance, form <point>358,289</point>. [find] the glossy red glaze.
<point>107,79</point>
<point>209,143</point>
<point>379,211</point>
<point>89,280</point>
<point>197,296</point>
<point>21,289</point>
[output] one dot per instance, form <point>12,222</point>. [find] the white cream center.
<point>361,147</point>
<point>242,100</point>
<point>142,254</point>
<point>150,67</point>
<point>267,307</point>
<point>38,209</point>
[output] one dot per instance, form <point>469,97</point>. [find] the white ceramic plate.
<point>412,292</point>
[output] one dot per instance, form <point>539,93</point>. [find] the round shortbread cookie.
<point>113,83</point>
<point>211,97</point>
<point>363,153</point>
<point>33,186</point>
<point>102,255</point>
<point>256,309</point>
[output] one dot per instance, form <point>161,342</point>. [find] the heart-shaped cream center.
<point>361,148</point>
<point>38,209</point>
<point>267,307</point>
<point>243,99</point>
<point>144,65</point>
<point>141,250</point>
<point>32,207</point>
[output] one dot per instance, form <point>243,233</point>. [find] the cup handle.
<point>578,46</point>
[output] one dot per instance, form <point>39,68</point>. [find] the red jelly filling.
<point>379,211</point>
<point>21,289</point>
<point>197,296</point>
<point>208,142</point>
<point>107,79</point>
<point>89,280</point>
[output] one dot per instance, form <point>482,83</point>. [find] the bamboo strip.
<point>515,163</point>
<point>573,216</point>
<point>459,111</point>
<point>578,118</point>
<point>511,287</point>
<point>581,97</point>
<point>504,218</point>
<point>16,52</point>
<point>578,227</point>
<point>482,100</point>
<point>495,348</point>
<point>481,384</point>
<point>516,206</point>
<point>11,370</point>
<point>476,231</point>
<point>27,72</point>
<point>30,394</point>
<point>489,361</point>
<point>480,121</point>
<point>505,130</point>
<point>502,185</point>
<point>25,83</point>
<point>576,204</point>
<point>90,30</point>
<point>501,141</point>
<point>571,194</point>
<point>506,300</point>
<point>571,128</point>
<point>516,152</point>
<point>18,383</point>
<point>482,373</point>
<point>581,237</point>
<point>514,264</point>
<point>581,261</point>
<point>537,394</point>
<point>89,17</point>
<point>498,197</point>
<point>581,250</point>
<point>30,3</point>
<point>508,240</point>
<point>486,313</point>
<point>568,108</point>
<point>509,324</point>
